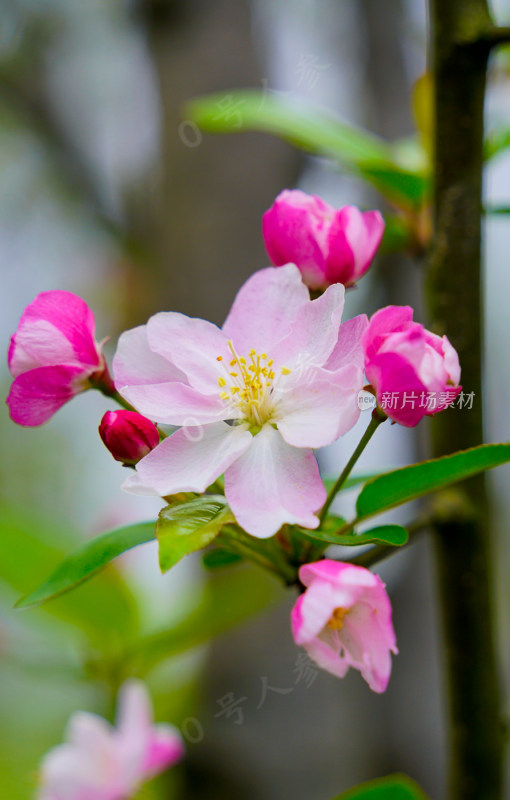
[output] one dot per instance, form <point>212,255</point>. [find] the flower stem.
<point>378,416</point>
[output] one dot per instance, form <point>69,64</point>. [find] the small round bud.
<point>128,436</point>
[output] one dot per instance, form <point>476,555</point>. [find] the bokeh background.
<point>108,189</point>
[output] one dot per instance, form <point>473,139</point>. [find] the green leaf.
<point>497,142</point>
<point>408,483</point>
<point>189,527</point>
<point>393,535</point>
<point>394,787</point>
<point>88,560</point>
<point>313,130</point>
<point>220,558</point>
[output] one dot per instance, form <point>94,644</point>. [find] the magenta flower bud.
<point>128,436</point>
<point>52,356</point>
<point>343,620</point>
<point>414,372</point>
<point>328,245</point>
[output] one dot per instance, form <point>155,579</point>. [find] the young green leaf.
<point>393,535</point>
<point>87,560</point>
<point>394,787</point>
<point>408,483</point>
<point>314,131</point>
<point>189,527</point>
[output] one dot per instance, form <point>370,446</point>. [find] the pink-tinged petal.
<point>66,775</point>
<point>177,404</point>
<point>327,658</point>
<point>133,729</point>
<point>273,483</point>
<point>192,458</point>
<point>313,334</point>
<point>349,348</point>
<point>36,395</point>
<point>265,308</point>
<point>316,414</point>
<point>295,230</point>
<point>192,345</point>
<point>451,361</point>
<point>57,327</point>
<point>393,376</point>
<point>385,321</point>
<point>165,749</point>
<point>314,611</point>
<point>337,572</point>
<point>353,241</point>
<point>368,639</point>
<point>135,363</point>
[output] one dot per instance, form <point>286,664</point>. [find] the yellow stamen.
<point>285,371</point>
<point>222,381</point>
<point>336,621</point>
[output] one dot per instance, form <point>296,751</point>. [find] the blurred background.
<point>111,187</point>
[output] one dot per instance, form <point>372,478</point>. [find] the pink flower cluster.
<point>251,401</point>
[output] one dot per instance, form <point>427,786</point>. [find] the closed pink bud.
<point>414,372</point>
<point>328,245</point>
<point>52,356</point>
<point>128,436</point>
<point>343,620</point>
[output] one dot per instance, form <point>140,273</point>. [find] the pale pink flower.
<point>52,356</point>
<point>414,372</point>
<point>128,436</point>
<point>343,620</point>
<point>253,398</point>
<point>328,245</point>
<point>102,762</point>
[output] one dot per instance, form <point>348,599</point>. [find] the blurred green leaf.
<point>408,483</point>
<point>393,535</point>
<point>423,111</point>
<point>394,787</point>
<point>496,142</point>
<point>220,558</point>
<point>188,527</point>
<point>87,560</point>
<point>497,209</point>
<point>26,551</point>
<point>313,130</point>
<point>228,599</point>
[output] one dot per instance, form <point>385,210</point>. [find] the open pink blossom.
<point>52,356</point>
<point>414,372</point>
<point>101,762</point>
<point>128,436</point>
<point>343,620</point>
<point>328,245</point>
<point>252,399</point>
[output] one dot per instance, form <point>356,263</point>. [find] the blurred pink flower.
<point>328,245</point>
<point>281,377</point>
<point>343,620</point>
<point>100,762</point>
<point>128,436</point>
<point>414,372</point>
<point>52,356</point>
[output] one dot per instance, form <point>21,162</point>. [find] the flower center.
<point>248,383</point>
<point>336,621</point>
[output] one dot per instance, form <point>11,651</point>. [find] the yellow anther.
<point>336,621</point>
<point>270,362</point>
<point>224,395</point>
<point>285,371</point>
<point>271,375</point>
<point>234,374</point>
<point>233,362</point>
<point>252,352</point>
<point>235,389</point>
<point>219,358</point>
<point>263,355</point>
<point>222,382</point>
<point>242,360</point>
